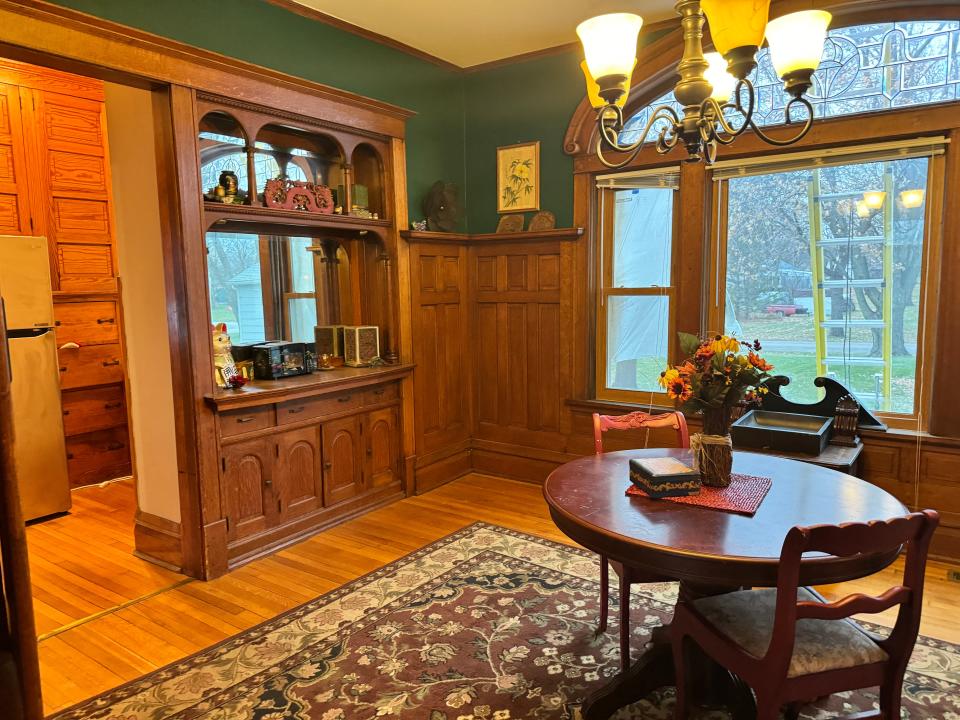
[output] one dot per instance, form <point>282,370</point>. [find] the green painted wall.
<point>521,102</point>
<point>261,33</point>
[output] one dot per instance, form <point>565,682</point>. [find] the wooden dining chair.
<point>629,576</point>
<point>789,644</point>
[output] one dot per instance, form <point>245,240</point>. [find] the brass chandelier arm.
<point>612,125</point>
<point>807,125</point>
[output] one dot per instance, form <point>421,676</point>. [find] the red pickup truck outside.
<point>786,310</point>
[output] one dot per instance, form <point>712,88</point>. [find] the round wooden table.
<point>707,551</point>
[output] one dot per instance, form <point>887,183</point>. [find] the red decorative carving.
<point>298,195</point>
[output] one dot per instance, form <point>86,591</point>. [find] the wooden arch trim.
<point>660,58</point>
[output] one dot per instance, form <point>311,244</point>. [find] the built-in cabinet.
<point>290,465</point>
<point>55,182</point>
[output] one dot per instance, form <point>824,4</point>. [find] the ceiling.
<point>465,32</point>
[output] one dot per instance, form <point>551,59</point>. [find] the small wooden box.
<point>664,477</point>
<point>361,344</point>
<point>329,340</point>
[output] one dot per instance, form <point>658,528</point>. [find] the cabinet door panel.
<point>342,464</point>
<point>14,201</point>
<point>247,480</point>
<point>298,483</point>
<point>383,447</point>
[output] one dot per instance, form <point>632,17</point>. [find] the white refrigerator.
<point>39,451</point>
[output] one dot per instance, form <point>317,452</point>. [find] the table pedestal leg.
<point>714,686</point>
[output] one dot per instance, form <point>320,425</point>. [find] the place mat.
<point>743,496</point>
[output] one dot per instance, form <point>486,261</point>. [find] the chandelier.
<point>718,99</point>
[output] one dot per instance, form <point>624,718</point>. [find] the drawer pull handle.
<point>115,446</point>
<point>268,482</point>
<point>110,363</point>
<point>344,398</point>
<point>63,368</point>
<point>66,412</point>
<point>248,418</point>
<point>296,410</point>
<point>69,456</point>
<point>106,321</point>
<point>70,346</point>
<point>327,465</point>
<point>112,405</point>
<point>381,391</point>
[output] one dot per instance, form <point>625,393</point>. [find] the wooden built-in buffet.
<point>301,453</point>
<point>55,182</point>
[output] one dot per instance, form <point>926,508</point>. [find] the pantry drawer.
<point>98,456</point>
<point>87,323</point>
<point>93,409</point>
<point>90,365</point>
<point>295,410</point>
<point>238,422</point>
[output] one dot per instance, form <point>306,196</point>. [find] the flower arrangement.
<point>719,372</point>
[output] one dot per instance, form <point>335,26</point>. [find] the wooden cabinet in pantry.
<point>55,182</point>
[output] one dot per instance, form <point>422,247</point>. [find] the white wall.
<point>130,130</point>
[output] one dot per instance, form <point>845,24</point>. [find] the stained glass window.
<point>865,68</point>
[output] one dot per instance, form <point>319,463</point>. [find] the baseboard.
<point>443,471</point>
<point>157,540</point>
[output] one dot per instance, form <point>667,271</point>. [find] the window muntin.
<point>637,291</point>
<point>831,287</point>
<point>865,68</point>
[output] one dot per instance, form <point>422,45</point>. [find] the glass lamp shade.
<point>610,43</point>
<point>736,23</point>
<point>723,82</point>
<point>593,89</point>
<point>911,199</point>
<point>796,40</point>
<point>863,210</point>
<point>874,199</point>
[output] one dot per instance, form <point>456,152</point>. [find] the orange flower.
<point>680,390</point>
<point>687,369</point>
<point>759,363</point>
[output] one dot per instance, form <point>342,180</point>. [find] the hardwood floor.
<point>83,566</point>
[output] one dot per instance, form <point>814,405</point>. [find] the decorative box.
<point>279,359</point>
<point>329,340</point>
<point>664,477</point>
<point>361,344</point>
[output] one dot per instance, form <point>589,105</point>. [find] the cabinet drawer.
<point>237,422</point>
<point>295,410</point>
<point>96,409</point>
<point>381,394</point>
<point>91,365</point>
<point>98,456</point>
<point>86,323</point>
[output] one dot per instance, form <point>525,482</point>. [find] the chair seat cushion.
<point>746,617</point>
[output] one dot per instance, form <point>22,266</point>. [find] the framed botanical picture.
<point>518,177</point>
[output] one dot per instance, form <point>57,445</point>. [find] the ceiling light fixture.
<point>712,88</point>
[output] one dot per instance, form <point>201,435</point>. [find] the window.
<point>865,68</point>
<point>824,264</point>
<point>636,281</point>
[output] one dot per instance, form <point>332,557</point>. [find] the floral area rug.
<point>486,624</point>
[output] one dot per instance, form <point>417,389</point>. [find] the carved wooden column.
<point>332,280</point>
<point>251,174</point>
<point>390,336</point>
<point>346,202</point>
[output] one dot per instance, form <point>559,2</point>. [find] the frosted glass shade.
<point>723,82</point>
<point>736,23</point>
<point>863,210</point>
<point>874,199</point>
<point>610,43</point>
<point>911,199</point>
<point>796,40</point>
<point>593,89</point>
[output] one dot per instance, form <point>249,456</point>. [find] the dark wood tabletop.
<point>709,547</point>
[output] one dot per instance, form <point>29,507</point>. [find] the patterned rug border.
<point>120,692</point>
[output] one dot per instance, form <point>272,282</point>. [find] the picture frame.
<point>518,177</point>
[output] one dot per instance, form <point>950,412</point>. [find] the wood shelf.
<point>250,216</point>
<point>417,236</point>
<point>260,392</point>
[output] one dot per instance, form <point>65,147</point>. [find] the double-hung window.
<point>637,215</point>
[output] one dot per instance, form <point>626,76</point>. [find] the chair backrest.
<point>637,420</point>
<point>913,531</point>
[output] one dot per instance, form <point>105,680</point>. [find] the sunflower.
<point>679,389</point>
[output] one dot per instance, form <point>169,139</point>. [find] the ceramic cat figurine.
<point>225,368</point>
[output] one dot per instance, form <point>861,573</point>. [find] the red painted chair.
<point>629,576</point>
<point>789,644</point>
